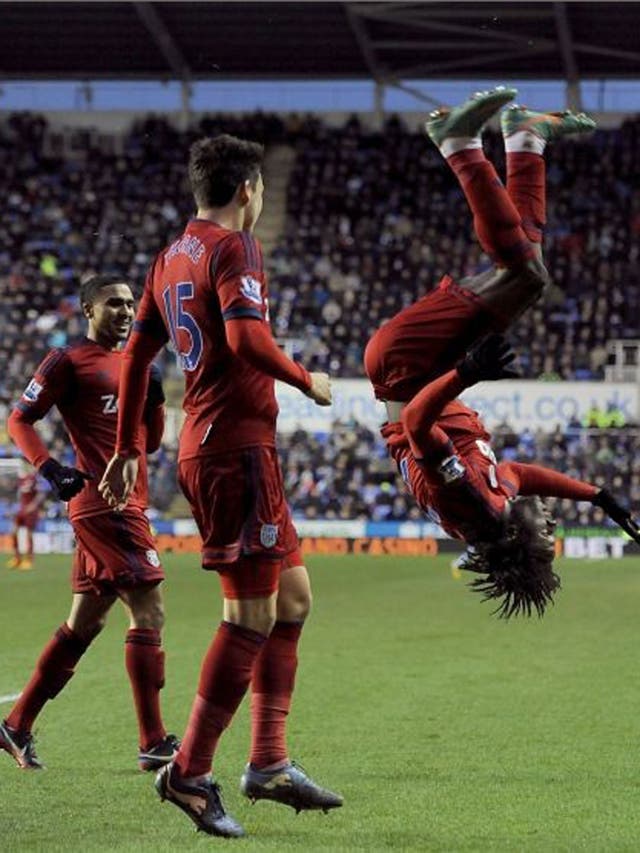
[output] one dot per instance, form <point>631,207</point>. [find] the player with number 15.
<point>207,293</point>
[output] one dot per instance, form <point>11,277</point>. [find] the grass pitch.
<point>444,728</point>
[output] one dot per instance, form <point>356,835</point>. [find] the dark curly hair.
<point>518,568</point>
<point>219,164</point>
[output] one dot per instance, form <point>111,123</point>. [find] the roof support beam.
<point>432,44</point>
<point>473,61</point>
<point>164,40</point>
<point>364,42</point>
<point>565,40</point>
<point>418,94</point>
<point>420,22</point>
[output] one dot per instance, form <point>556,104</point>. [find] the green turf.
<point>444,728</point>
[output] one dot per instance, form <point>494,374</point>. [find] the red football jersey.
<point>207,276</point>
<point>82,382</point>
<point>28,490</point>
<point>449,505</point>
<point>463,426</point>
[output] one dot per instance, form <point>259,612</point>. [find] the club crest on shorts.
<point>268,535</point>
<point>152,557</point>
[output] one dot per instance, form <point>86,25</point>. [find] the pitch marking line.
<point>10,697</point>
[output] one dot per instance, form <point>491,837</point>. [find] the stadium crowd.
<point>374,219</point>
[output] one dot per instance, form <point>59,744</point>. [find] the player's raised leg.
<point>526,134</point>
<point>270,773</point>
<point>55,667</point>
<point>496,220</point>
<point>144,659</point>
<point>427,338</point>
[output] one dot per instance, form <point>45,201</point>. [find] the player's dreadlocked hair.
<point>94,283</point>
<point>219,164</point>
<point>518,568</point>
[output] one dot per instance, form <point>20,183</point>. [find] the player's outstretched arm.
<point>618,513</point>
<point>539,480</point>
<point>419,416</point>
<point>253,342</point>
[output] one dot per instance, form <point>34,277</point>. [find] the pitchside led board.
<point>522,404</point>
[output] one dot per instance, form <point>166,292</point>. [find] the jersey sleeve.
<point>51,383</point>
<point>238,277</point>
<point>537,480</point>
<point>236,269</point>
<point>420,415</point>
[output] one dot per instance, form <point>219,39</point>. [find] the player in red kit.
<point>443,452</point>
<point>115,554</point>
<point>207,293</point>
<point>30,498</point>
<point>428,337</point>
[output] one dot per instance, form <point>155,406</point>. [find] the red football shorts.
<point>238,503</point>
<point>424,340</point>
<point>26,519</point>
<point>114,550</point>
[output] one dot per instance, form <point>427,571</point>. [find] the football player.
<point>115,555</point>
<point>207,293</point>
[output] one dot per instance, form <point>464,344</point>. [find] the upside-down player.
<point>443,452</point>
<point>30,498</point>
<point>427,338</point>
<point>207,293</point>
<point>115,554</point>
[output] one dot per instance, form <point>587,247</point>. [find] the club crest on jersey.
<point>32,391</point>
<point>268,535</point>
<point>152,558</point>
<point>250,289</point>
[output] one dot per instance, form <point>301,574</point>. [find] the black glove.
<point>155,392</point>
<point>606,501</point>
<point>65,482</point>
<point>492,358</point>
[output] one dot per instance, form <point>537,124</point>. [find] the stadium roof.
<point>385,41</point>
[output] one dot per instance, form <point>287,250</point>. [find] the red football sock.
<point>144,660</point>
<point>30,543</point>
<point>53,670</point>
<point>526,184</point>
<point>16,549</point>
<point>224,679</point>
<point>495,219</point>
<point>272,686</point>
